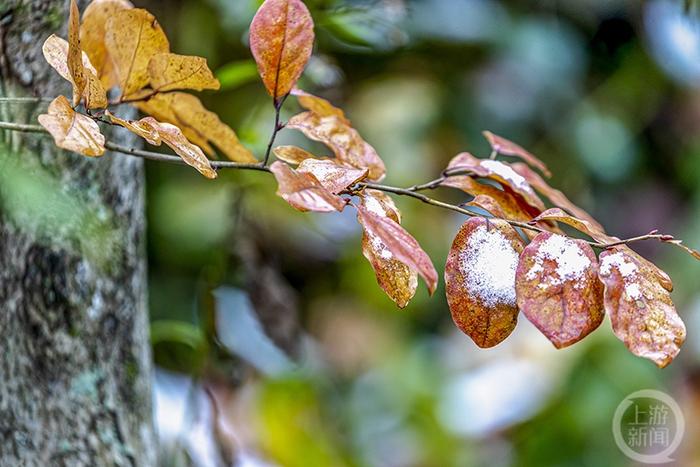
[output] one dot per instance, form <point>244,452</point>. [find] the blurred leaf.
<point>236,74</point>
<point>178,345</point>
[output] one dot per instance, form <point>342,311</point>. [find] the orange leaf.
<point>509,148</point>
<point>303,191</point>
<point>480,280</point>
<point>75,55</point>
<point>169,71</point>
<point>346,143</point>
<point>71,130</point>
<point>399,243</point>
<point>92,37</point>
<point>292,154</point>
<point>333,176</point>
<point>640,308</point>
<point>197,123</point>
<point>318,105</point>
<point>281,39</point>
<point>132,37</point>
<point>558,289</point>
<point>396,278</point>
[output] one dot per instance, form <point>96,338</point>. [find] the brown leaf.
<point>592,230</point>
<point>558,289</point>
<point>92,37</point>
<point>71,130</point>
<point>318,105</point>
<point>509,148</point>
<point>170,71</point>
<point>399,243</point>
<point>396,278</point>
<point>132,37</point>
<point>55,51</point>
<point>292,154</point>
<point>281,39</point>
<point>303,191</point>
<point>489,205</point>
<point>679,243</point>
<point>197,123</point>
<point>75,54</point>
<point>480,280</point>
<point>143,128</point>
<point>641,311</point>
<point>332,175</point>
<point>345,141</point>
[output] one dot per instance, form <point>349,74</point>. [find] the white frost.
<point>628,271</point>
<point>488,262</point>
<point>507,173</point>
<point>571,262</point>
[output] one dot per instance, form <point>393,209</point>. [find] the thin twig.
<point>24,100</point>
<point>275,130</point>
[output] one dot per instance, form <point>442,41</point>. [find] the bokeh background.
<point>275,346</point>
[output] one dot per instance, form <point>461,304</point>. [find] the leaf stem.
<point>278,126</point>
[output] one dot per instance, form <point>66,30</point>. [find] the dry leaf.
<point>509,148</point>
<point>332,175</point>
<point>292,154</point>
<point>171,71</point>
<point>197,123</point>
<point>71,130</point>
<point>75,54</point>
<point>132,37</point>
<point>480,280</point>
<point>592,230</point>
<point>640,308</point>
<point>281,39</point>
<point>303,191</point>
<point>396,278</point>
<point>92,37</point>
<point>346,143</point>
<point>558,289</point>
<point>399,243</point>
<point>143,128</point>
<point>55,51</point>
<point>318,105</point>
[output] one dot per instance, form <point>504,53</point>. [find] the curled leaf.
<point>399,243</point>
<point>396,278</point>
<point>558,289</point>
<point>170,71</point>
<point>303,191</point>
<point>71,130</point>
<point>132,37</point>
<point>143,128</point>
<point>345,141</point>
<point>281,39</point>
<point>582,225</point>
<point>480,280</point>
<point>640,308</point>
<point>333,176</point>
<point>509,148</point>
<point>318,105</point>
<point>292,154</point>
<point>75,54</point>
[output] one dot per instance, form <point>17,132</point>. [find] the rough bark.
<point>75,366</point>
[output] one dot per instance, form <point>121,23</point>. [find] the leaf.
<point>170,71</point>
<point>480,280</point>
<point>55,51</point>
<point>679,243</point>
<point>281,39</point>
<point>400,244</point>
<point>71,130</point>
<point>509,148</point>
<point>75,54</point>
<point>333,176</point>
<point>396,278</point>
<point>154,132</point>
<point>197,123</point>
<point>640,308</point>
<point>345,141</point>
<point>592,230</point>
<point>92,37</point>
<point>292,154</point>
<point>489,205</point>
<point>303,191</point>
<point>318,105</point>
<point>558,289</point>
<point>132,37</point>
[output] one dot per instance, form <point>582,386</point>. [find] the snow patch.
<point>628,271</point>
<point>507,173</point>
<point>571,261</point>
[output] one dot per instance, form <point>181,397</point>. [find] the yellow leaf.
<point>132,37</point>
<point>55,51</point>
<point>292,154</point>
<point>142,127</point>
<point>318,105</point>
<point>281,39</point>
<point>71,130</point>
<point>92,37</point>
<point>172,71</point>
<point>197,123</point>
<point>75,55</point>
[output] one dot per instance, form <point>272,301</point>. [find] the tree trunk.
<point>75,365</point>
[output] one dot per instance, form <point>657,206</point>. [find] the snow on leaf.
<point>480,280</point>
<point>71,130</point>
<point>292,154</point>
<point>509,148</point>
<point>281,39</point>
<point>640,308</point>
<point>333,176</point>
<point>168,71</point>
<point>399,243</point>
<point>558,289</point>
<point>303,191</point>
